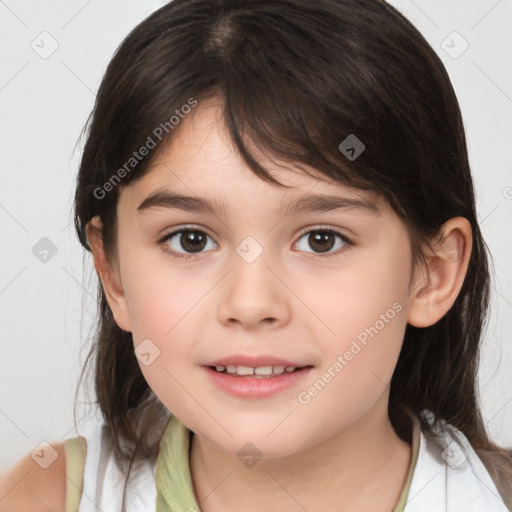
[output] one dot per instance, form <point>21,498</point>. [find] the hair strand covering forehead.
<point>297,78</point>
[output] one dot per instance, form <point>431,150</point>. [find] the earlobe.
<point>109,276</point>
<point>438,286</point>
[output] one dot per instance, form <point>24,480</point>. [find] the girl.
<point>279,204</point>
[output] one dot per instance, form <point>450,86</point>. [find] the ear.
<point>437,287</point>
<point>109,274</point>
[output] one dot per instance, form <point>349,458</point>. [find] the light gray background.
<point>45,102</point>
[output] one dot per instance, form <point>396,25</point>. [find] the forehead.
<point>202,161</point>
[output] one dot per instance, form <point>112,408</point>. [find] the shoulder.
<point>29,486</point>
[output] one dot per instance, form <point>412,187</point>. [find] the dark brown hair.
<point>297,77</point>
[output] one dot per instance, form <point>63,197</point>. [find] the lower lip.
<point>256,387</point>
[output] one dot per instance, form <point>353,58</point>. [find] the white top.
<point>448,476</point>
<point>103,482</point>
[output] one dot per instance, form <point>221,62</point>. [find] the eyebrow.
<point>308,203</point>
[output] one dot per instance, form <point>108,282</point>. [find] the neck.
<point>363,467</point>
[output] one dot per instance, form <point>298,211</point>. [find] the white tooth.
<point>231,368</point>
<point>263,370</point>
<point>245,370</point>
<point>290,368</point>
<point>278,369</point>
<point>220,368</point>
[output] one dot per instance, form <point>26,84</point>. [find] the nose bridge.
<point>252,293</point>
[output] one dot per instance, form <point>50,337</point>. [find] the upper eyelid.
<point>177,230</point>
<point>338,231</point>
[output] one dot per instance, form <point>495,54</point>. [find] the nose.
<point>253,296</point>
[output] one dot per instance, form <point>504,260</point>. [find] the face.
<point>324,289</point>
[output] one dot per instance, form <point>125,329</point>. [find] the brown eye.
<point>322,241</point>
<point>193,241</point>
<point>187,241</point>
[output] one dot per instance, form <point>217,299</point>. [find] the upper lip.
<point>254,360</point>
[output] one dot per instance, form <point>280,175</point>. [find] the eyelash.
<point>188,256</point>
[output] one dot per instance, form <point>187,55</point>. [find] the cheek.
<point>365,308</point>
<point>165,311</point>
<point>160,296</point>
<point>367,289</point>
<point>162,327</point>
<point>357,367</point>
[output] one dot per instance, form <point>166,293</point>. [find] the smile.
<point>256,371</point>
<point>256,382</point>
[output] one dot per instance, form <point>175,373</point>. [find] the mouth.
<point>259,372</point>
<point>257,382</point>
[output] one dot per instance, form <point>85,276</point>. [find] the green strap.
<point>174,492</point>
<point>402,500</point>
<point>75,449</point>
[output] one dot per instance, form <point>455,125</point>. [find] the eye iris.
<point>321,241</point>
<point>192,241</point>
